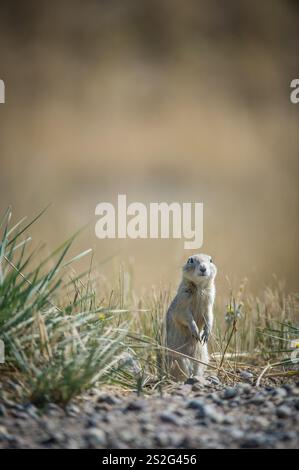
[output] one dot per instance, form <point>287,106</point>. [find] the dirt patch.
<point>193,415</point>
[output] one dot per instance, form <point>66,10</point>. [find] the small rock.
<point>168,417</point>
<point>254,440</point>
<point>195,404</point>
<point>286,436</point>
<point>3,411</point>
<point>71,444</point>
<point>215,398</point>
<point>96,437</point>
<point>234,403</point>
<point>267,407</point>
<point>228,419</point>
<point>296,404</point>
<point>107,398</point>
<point>147,427</point>
<point>19,414</point>
<point>52,409</point>
<point>261,422</point>
<point>183,390</point>
<point>258,399</point>
<point>280,392</point>
<point>176,439</point>
<point>72,410</point>
<point>213,414</point>
<point>288,388</point>
<point>126,435</point>
<point>246,375</point>
<point>230,392</point>
<point>31,410</point>
<point>136,405</point>
<point>205,411</point>
<point>162,439</point>
<point>145,418</point>
<point>236,434</point>
<point>214,380</point>
<point>191,381</point>
<point>4,434</point>
<point>201,412</point>
<point>53,438</point>
<point>92,422</point>
<point>8,403</point>
<point>199,379</point>
<point>284,411</point>
<point>197,387</point>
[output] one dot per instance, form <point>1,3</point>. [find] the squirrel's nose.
<point>203,269</point>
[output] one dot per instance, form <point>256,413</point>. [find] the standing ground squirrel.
<point>189,318</point>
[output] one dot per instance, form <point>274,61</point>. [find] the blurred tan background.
<point>162,100</point>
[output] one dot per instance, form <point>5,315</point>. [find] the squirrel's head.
<point>200,269</point>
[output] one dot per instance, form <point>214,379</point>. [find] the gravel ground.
<point>193,415</point>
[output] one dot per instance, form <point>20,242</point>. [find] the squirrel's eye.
<point>211,260</point>
<point>190,261</point>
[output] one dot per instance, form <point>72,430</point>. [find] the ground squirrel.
<point>189,318</point>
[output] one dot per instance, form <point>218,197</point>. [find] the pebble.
<point>136,405</point>
<point>197,387</point>
<point>280,392</point>
<point>255,440</point>
<point>3,411</point>
<point>205,411</point>
<point>183,390</point>
<point>53,438</point>
<point>107,398</point>
<point>195,404</point>
<point>147,427</point>
<point>214,380</point>
<point>213,414</point>
<point>31,410</point>
<point>52,409</point>
<point>168,417</point>
<point>126,435</point>
<point>230,392</point>
<point>261,422</point>
<point>177,440</point>
<point>228,419</point>
<point>3,433</point>
<point>236,434</point>
<point>234,403</point>
<point>246,375</point>
<point>192,380</point>
<point>244,387</point>
<point>162,439</point>
<point>19,414</point>
<point>284,411</point>
<point>92,422</point>
<point>96,437</point>
<point>258,399</point>
<point>72,409</point>
<point>288,436</point>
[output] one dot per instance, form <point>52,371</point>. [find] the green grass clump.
<point>52,352</point>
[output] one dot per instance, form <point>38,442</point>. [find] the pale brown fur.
<point>189,319</point>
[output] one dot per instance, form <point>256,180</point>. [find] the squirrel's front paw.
<point>204,335</point>
<point>196,336</point>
